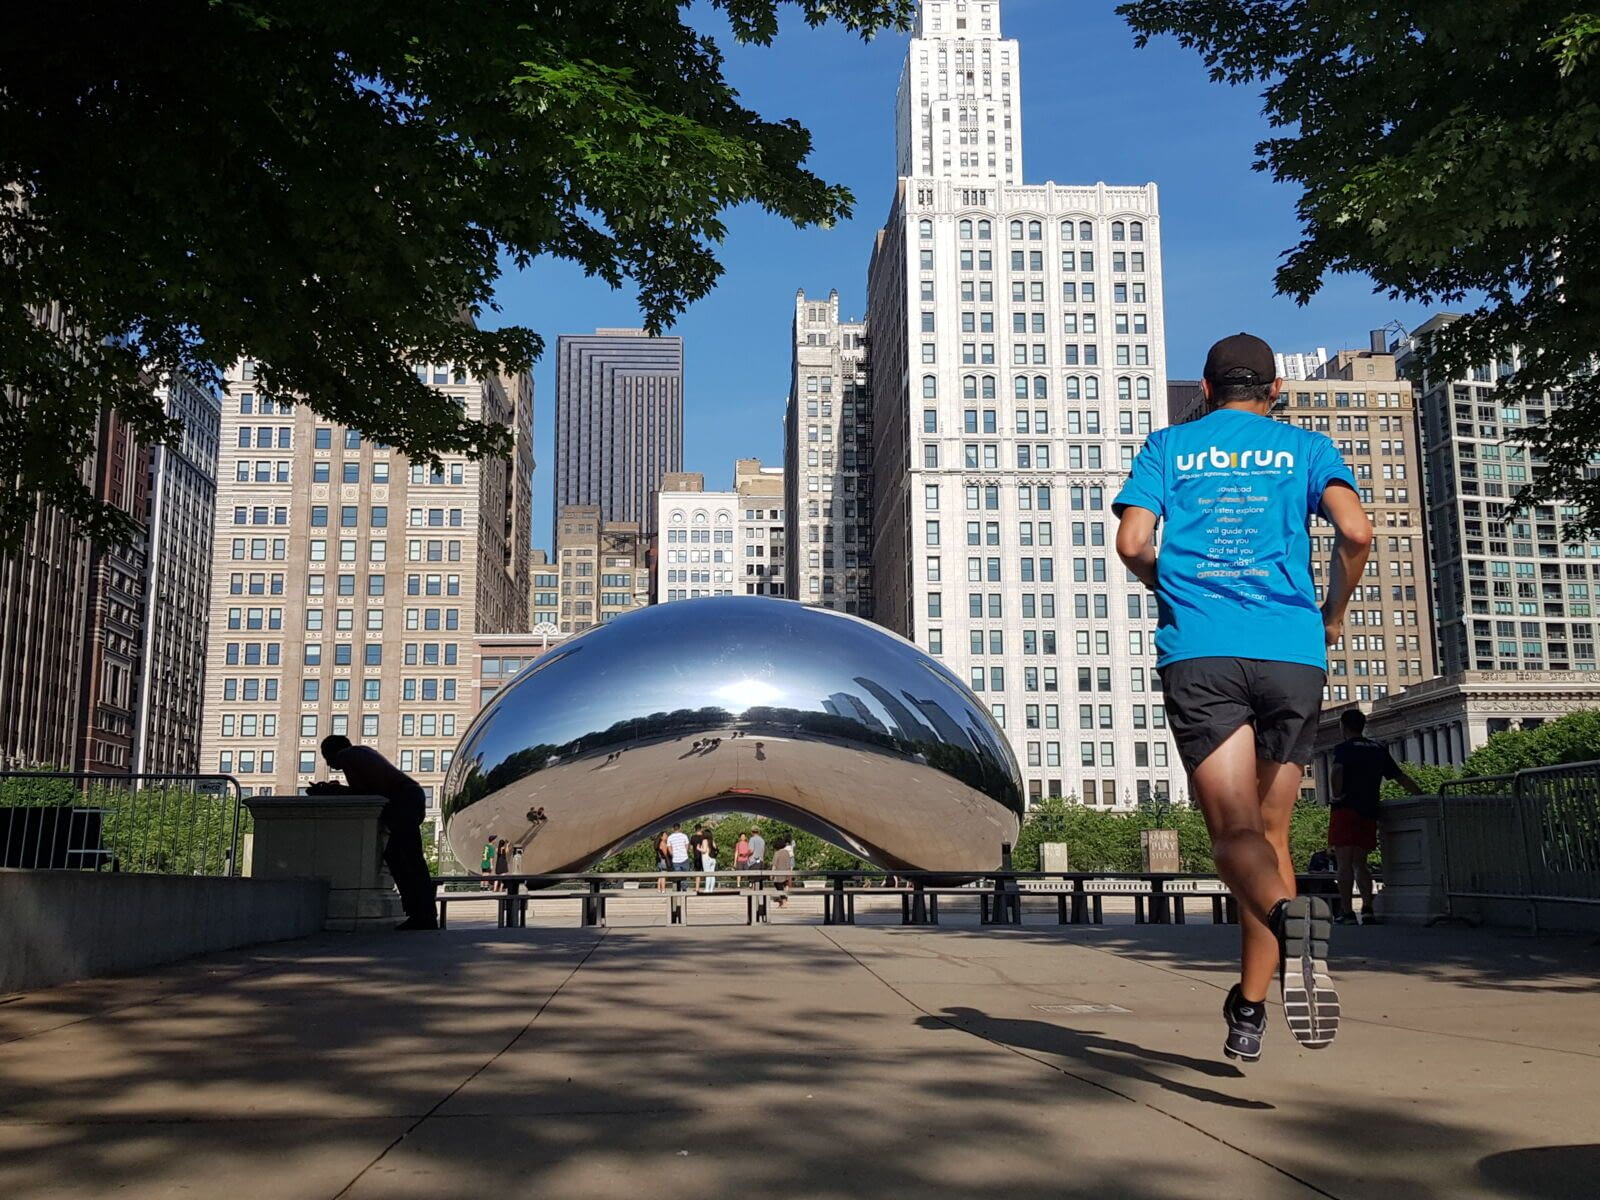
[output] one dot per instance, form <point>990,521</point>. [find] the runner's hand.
<point>1332,630</point>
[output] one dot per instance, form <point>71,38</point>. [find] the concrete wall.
<point>57,926</point>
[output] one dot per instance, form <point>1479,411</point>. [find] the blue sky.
<point>1094,109</point>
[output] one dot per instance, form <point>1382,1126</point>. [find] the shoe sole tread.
<point>1310,1001</point>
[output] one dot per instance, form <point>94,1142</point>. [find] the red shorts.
<point>1346,827</point>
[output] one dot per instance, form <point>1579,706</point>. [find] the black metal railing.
<point>1158,898</point>
<point>1533,836</point>
<point>173,824</point>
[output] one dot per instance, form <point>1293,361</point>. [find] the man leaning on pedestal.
<point>1241,647</point>
<point>1360,765</point>
<point>368,773</point>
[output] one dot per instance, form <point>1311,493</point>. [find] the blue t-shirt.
<point>1236,492</point>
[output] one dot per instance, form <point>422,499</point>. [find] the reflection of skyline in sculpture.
<point>844,704</point>
<point>584,734</point>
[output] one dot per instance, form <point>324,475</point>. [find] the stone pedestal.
<point>336,838</point>
<point>1160,851</point>
<point>1053,857</point>
<point>1413,861</point>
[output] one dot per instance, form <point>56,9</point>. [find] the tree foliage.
<point>1569,739</point>
<point>1430,778</point>
<point>1446,150</point>
<point>1097,840</point>
<point>165,829</point>
<point>328,188</point>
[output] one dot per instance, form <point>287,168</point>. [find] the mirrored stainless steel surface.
<point>736,704</point>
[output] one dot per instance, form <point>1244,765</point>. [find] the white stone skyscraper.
<point>828,460</point>
<point>1017,359</point>
<point>959,107</point>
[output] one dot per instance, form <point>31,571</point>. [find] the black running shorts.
<point>1209,698</point>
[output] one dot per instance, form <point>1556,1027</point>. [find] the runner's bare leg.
<point>1244,805</point>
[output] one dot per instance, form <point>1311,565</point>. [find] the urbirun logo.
<point>1218,459</point>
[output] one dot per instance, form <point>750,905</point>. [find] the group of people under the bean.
<point>696,854</point>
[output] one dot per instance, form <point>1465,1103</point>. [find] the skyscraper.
<point>604,567</point>
<point>619,422</point>
<point>1301,366</point>
<point>763,534</point>
<point>544,606</point>
<point>828,460</point>
<point>721,543</point>
<point>1018,364</point>
<point>114,626</point>
<point>44,594</point>
<point>102,647</point>
<point>182,508</point>
<point>1512,595</point>
<point>348,584</point>
<point>958,110</point>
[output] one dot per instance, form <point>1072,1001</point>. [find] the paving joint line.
<point>1094,1083</point>
<point>349,1118</point>
<point>494,1058</point>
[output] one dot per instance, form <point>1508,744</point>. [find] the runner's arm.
<point>1136,543</point>
<point>1343,508</point>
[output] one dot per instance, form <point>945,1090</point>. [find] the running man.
<point>1360,765</point>
<point>1242,649</point>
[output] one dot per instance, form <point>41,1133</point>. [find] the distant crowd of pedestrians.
<point>696,856</point>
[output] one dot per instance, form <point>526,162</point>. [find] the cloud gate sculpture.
<point>737,704</point>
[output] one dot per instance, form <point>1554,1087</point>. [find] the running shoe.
<point>1310,1003</point>
<point>1247,1025</point>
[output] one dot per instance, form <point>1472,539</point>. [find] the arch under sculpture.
<point>747,704</point>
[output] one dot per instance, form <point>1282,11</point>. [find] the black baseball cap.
<point>1241,359</point>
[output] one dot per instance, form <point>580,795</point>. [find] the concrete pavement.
<point>804,1061</point>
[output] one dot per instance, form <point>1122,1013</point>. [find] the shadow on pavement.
<point>1095,1049</point>
<point>664,1062</point>
<point>1553,964</point>
<point>1544,1172</point>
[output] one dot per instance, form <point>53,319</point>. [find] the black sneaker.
<point>412,923</point>
<point>1247,1025</point>
<point>1310,1003</point>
